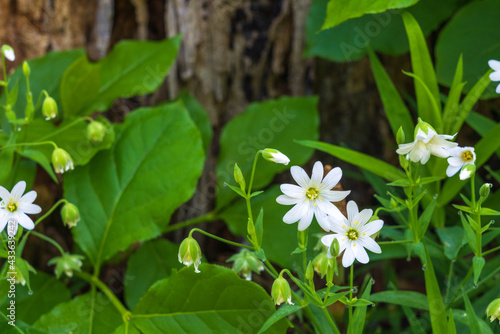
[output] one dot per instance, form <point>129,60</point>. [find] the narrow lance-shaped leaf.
<point>452,102</point>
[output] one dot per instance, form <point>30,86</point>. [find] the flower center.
<point>12,206</point>
<point>312,193</point>
<point>352,234</point>
<point>467,156</point>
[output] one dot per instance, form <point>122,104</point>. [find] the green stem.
<point>393,242</point>
<point>491,251</point>
<point>237,244</point>
<point>330,320</point>
<point>253,172</point>
<point>208,217</point>
<point>450,275</point>
<point>351,284</point>
<point>50,240</point>
<point>460,287</point>
<point>31,144</point>
<point>95,281</point>
<point>476,209</point>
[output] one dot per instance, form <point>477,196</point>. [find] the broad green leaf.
<point>282,312</point>
<point>47,292</point>
<point>20,327</point>
<point>132,68</point>
<point>339,11</point>
<point>396,111</point>
<point>274,124</point>
<point>451,106</point>
<point>40,158</point>
<point>382,32</point>
<point>127,194</point>
<point>437,309</point>
<point>215,300</point>
<point>278,250</point>
<point>480,123</point>
<point>371,164</point>
<point>153,261</point>
<point>199,116</point>
<point>424,69</point>
<point>471,315</point>
<point>404,298</point>
<point>82,315</point>
<point>452,238</point>
<point>469,34</point>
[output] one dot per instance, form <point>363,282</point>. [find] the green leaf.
<point>462,317</point>
<point>469,233</point>
<point>339,11</point>
<point>437,309</point>
<point>451,324</point>
<point>82,315</point>
<point>215,300</point>
<point>282,312</point>
<point>451,106</point>
<point>423,68</point>
<point>132,68</point>
<point>127,194</point>
<point>153,261</point>
<point>400,183</point>
<point>489,212</point>
<point>235,189</point>
<point>471,314</point>
<point>275,124</point>
<point>477,266</point>
<point>371,164</point>
<point>259,226</point>
<point>452,238</point>
<point>425,218</point>
<point>40,158</point>
<point>415,324</point>
<point>20,327</point>
<point>200,117</point>
<point>469,34</point>
<point>411,299</point>
<point>359,316</point>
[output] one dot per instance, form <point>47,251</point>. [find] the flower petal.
<point>494,64</point>
<point>300,176</point>
<point>364,216</point>
<point>4,194</point>
<point>348,257</point>
<point>371,228</point>
<point>31,209</point>
<point>292,190</point>
<point>29,197</point>
<point>370,244</point>
<point>296,213</point>
<point>455,161</point>
<point>327,239</point>
<point>352,210</point>
<point>3,222</point>
<point>332,178</point>
<point>287,200</point>
<point>18,190</point>
<point>334,195</point>
<point>25,221</point>
<point>497,90</point>
<point>330,210</point>
<point>359,252</point>
<point>306,220</point>
<point>495,76</point>
<point>452,170</point>
<point>317,174</point>
<point>405,148</point>
<point>425,157</point>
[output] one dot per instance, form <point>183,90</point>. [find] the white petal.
<point>370,244</point>
<point>359,252</point>
<point>9,54</point>
<point>327,239</point>
<point>330,210</point>
<point>295,213</point>
<point>494,64</point>
<point>317,174</point>
<point>418,152</point>
<point>4,194</point>
<point>425,157</point>
<point>497,90</point>
<point>3,222</point>
<point>334,195</point>
<point>287,200</point>
<point>455,161</point>
<point>364,216</point>
<point>371,228</point>
<point>294,191</point>
<point>464,174</point>
<point>323,220</point>
<point>31,209</point>
<point>348,257</point>
<point>29,197</point>
<point>300,176</point>
<point>495,76</point>
<point>306,220</point>
<point>25,221</point>
<point>440,152</point>
<point>18,190</point>
<point>452,170</point>
<point>332,178</point>
<point>352,210</point>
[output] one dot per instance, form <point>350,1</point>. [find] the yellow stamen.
<point>312,193</point>
<point>467,156</point>
<point>12,206</point>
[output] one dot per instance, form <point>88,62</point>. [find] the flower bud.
<point>322,263</point>
<point>8,52</point>
<point>467,171</point>
<point>245,262</point>
<point>250,227</point>
<point>403,161</point>
<point>424,126</point>
<point>400,136</point>
<point>61,160</point>
<point>310,271</point>
<point>190,253</point>
<point>70,215</point>
<point>238,177</point>
<point>66,264</point>
<point>484,191</point>
<point>96,132</point>
<point>49,108</point>
<point>270,154</point>
<point>26,69</point>
<point>334,249</point>
<point>281,291</point>
<point>493,310</point>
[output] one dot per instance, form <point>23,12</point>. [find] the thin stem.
<point>476,209</point>
<point>462,284</point>
<point>491,251</point>
<point>450,275</point>
<point>95,281</point>
<point>330,320</point>
<point>237,244</point>
<point>31,144</point>
<point>63,128</point>
<point>351,284</point>
<point>49,240</point>
<point>393,242</point>
<point>253,172</point>
<point>208,217</point>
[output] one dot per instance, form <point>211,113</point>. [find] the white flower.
<point>495,76</point>
<point>427,142</point>
<point>353,235</point>
<point>312,197</point>
<point>15,206</point>
<point>276,156</point>
<point>459,157</point>
<point>8,52</point>
<point>467,171</point>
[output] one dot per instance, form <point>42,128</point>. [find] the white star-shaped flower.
<point>495,76</point>
<point>312,197</point>
<point>15,206</point>
<point>353,235</point>
<point>459,157</point>
<point>426,142</point>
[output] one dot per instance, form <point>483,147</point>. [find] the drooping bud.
<point>467,171</point>
<point>8,52</point>
<point>66,264</point>
<point>493,310</point>
<point>270,154</point>
<point>245,262</point>
<point>61,160</point>
<point>310,271</point>
<point>484,191</point>
<point>49,108</point>
<point>190,253</point>
<point>238,177</point>
<point>96,132</point>
<point>281,291</point>
<point>70,215</point>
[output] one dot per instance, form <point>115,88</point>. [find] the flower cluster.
<point>14,207</point>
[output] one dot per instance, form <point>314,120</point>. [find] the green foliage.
<point>152,141</point>
<point>404,298</point>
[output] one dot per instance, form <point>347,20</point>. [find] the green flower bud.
<point>245,262</point>
<point>403,161</point>
<point>61,160</point>
<point>8,52</point>
<point>238,177</point>
<point>190,253</point>
<point>70,215</point>
<point>250,227</point>
<point>270,154</point>
<point>281,292</point>
<point>321,263</point>
<point>49,108</point>
<point>96,132</point>
<point>400,136</point>
<point>493,310</point>
<point>334,249</point>
<point>26,69</point>
<point>424,126</point>
<point>310,271</point>
<point>484,191</point>
<point>66,264</point>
